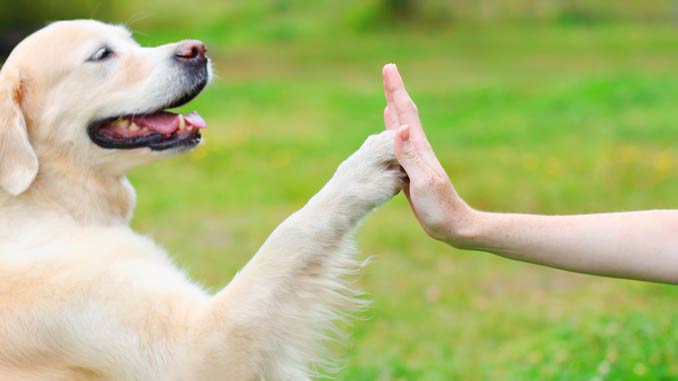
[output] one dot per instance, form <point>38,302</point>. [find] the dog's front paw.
<point>372,174</point>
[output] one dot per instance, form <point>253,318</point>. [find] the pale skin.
<point>641,245</point>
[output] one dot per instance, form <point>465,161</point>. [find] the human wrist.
<point>465,228</point>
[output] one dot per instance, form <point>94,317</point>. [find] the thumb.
<point>406,153</point>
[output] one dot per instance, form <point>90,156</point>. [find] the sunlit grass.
<point>550,120</point>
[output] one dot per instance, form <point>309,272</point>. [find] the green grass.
<point>533,119</point>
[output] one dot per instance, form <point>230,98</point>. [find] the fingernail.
<point>404,132</point>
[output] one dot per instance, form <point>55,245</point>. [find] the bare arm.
<point>635,245</point>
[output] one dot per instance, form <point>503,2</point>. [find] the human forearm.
<point>634,245</point>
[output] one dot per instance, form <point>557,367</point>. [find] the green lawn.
<point>531,119</point>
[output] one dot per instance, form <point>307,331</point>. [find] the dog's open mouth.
<point>157,131</point>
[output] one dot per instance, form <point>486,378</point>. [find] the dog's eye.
<point>101,54</point>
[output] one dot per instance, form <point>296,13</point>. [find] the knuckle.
<point>409,151</point>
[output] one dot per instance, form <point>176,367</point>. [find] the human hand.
<point>434,201</point>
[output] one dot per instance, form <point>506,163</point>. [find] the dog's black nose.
<point>192,51</point>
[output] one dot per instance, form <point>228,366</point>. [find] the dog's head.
<point>87,92</point>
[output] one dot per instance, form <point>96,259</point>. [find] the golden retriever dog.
<point>82,296</point>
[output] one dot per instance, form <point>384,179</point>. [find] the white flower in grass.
<point>640,369</point>
<point>603,368</point>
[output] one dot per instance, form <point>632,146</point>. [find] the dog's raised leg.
<point>270,322</point>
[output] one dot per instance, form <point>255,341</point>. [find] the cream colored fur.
<point>83,297</point>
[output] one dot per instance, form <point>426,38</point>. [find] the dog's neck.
<point>87,197</point>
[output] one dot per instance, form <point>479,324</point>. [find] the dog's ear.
<point>18,161</point>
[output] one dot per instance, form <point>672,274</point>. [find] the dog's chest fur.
<point>105,290</point>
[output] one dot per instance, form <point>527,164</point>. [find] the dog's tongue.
<point>166,123</point>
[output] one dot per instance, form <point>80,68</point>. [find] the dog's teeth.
<point>124,123</point>
<point>145,129</point>
<point>190,128</point>
<point>182,122</point>
<point>134,127</point>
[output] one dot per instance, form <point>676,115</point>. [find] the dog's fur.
<point>83,297</point>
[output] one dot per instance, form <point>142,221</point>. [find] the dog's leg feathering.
<point>271,321</point>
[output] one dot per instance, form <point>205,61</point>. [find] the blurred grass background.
<point>533,106</point>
